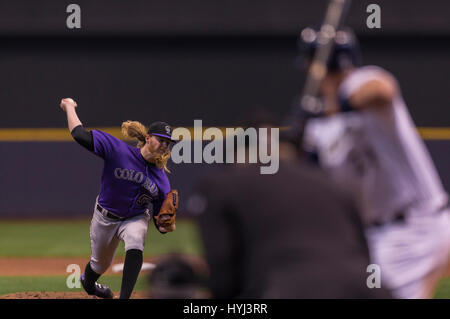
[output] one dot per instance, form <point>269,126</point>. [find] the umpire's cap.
<point>161,129</point>
<point>345,53</point>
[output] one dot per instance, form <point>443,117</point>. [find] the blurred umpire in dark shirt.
<point>292,234</point>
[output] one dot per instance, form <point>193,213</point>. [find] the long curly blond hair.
<point>135,130</point>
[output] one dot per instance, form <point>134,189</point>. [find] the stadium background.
<point>178,61</point>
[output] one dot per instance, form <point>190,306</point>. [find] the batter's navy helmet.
<point>345,52</point>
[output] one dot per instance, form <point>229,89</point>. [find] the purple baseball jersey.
<point>129,184</point>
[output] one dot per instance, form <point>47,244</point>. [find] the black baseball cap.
<point>161,129</point>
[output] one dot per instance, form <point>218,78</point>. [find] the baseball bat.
<point>309,104</point>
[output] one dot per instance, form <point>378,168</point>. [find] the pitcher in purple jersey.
<point>133,187</point>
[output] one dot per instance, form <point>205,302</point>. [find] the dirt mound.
<point>63,295</point>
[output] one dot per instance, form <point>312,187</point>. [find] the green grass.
<point>71,238</point>
<point>443,289</point>
<point>58,283</point>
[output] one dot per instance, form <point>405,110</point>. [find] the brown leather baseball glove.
<point>165,220</point>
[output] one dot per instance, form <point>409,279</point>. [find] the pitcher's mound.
<point>64,295</point>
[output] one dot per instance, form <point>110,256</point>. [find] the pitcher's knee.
<point>134,242</point>
<point>100,266</point>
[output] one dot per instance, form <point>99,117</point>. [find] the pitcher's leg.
<point>104,242</point>
<point>131,269</point>
<point>133,233</point>
<point>88,279</point>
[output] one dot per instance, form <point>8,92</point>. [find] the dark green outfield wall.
<point>62,179</point>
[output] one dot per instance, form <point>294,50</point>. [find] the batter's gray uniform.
<point>381,158</point>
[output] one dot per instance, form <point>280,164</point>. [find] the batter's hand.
<point>67,102</point>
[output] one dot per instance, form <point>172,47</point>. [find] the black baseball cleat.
<point>99,290</point>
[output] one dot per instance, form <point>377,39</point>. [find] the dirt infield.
<point>51,266</point>
<point>48,266</point>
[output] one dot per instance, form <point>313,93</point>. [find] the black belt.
<point>401,217</point>
<point>108,214</point>
<point>398,218</point>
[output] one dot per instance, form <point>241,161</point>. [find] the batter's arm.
<point>374,94</point>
